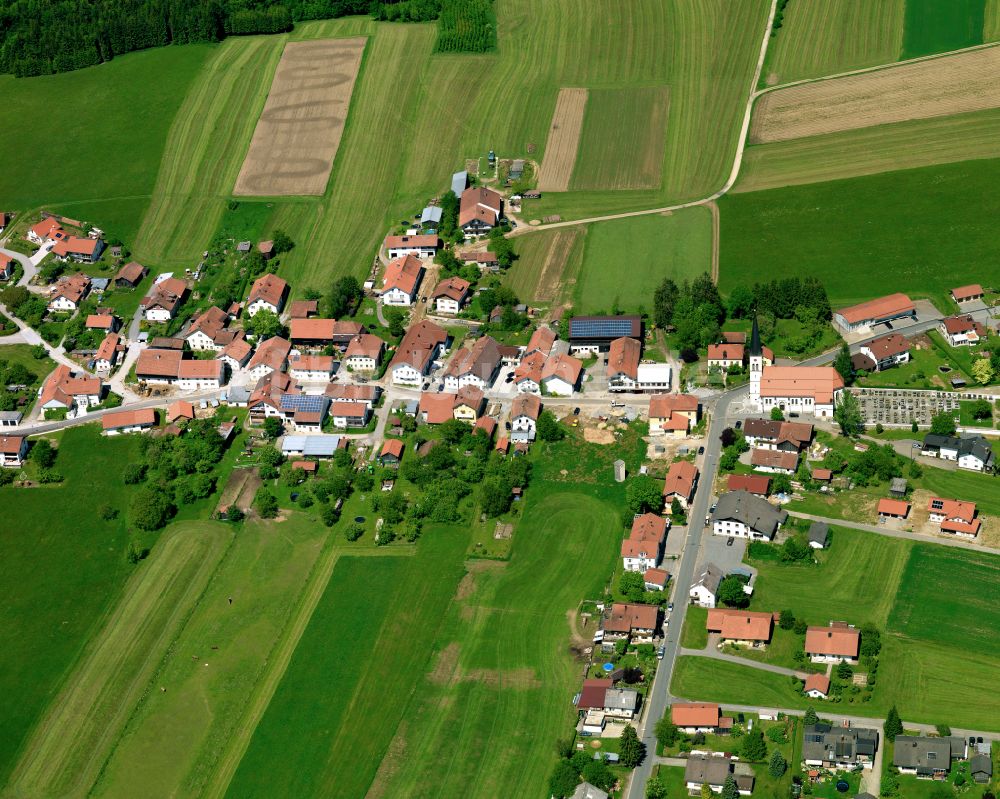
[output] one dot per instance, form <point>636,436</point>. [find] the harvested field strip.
<point>547,264</point>
<point>70,744</point>
<point>824,37</point>
<point>563,141</point>
<point>882,148</point>
<point>936,87</point>
<point>173,743</point>
<point>622,143</point>
<point>205,148</point>
<point>933,26</point>
<point>299,130</point>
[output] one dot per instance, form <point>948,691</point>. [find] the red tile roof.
<point>754,483</point>
<point>180,410</point>
<point>108,347</point>
<point>680,479</point>
<point>893,507</point>
<point>158,363</point>
<point>969,292</point>
<point>882,308</point>
<point>694,714</point>
<point>113,421</point>
<point>403,242</point>
<point>272,353</point>
<point>658,577</point>
<point>268,288</point>
<point>364,345</point>
<point>774,459</point>
<point>740,625</point>
<point>132,272</point>
<point>888,346</point>
<point>818,382</point>
<point>74,245</point>
<point>526,405</point>
<point>625,618</point>
<point>454,288</point>
<point>817,682</point>
<point>726,352</point>
<point>392,446</point>
<point>11,445</point>
<point>563,367</point>
<point>100,321</point>
<point>542,340</point>
<point>166,294</point>
<point>300,309</point>
<point>661,406</point>
<point>952,508</point>
<point>646,537</point>
<point>837,640</point>
<point>403,274</point>
<point>623,357</point>
<point>436,406</point>
<point>418,344</point>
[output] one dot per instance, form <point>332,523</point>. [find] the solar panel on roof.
<point>609,327</point>
<point>307,403</point>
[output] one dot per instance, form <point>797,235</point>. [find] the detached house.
<point>834,643</point>
<point>6,267</point>
<point>307,412</point>
<point>528,374</point>
<point>825,746</point>
<point>450,295</point>
<point>271,356</point>
<point>715,770</point>
<point>775,461</point>
<point>67,293</point>
<point>636,622</point>
<point>643,549</point>
<point>416,353</point>
<point>561,375</point>
<point>672,414</point>
<point>64,390</point>
<point>315,333</point>
<point>477,365</point>
<point>623,364</point>
<point>469,403</point>
<point>312,368</point>
<point>350,414</point>
<point>954,516</point>
<point>541,341</point>
<point>705,589</point>
<point>107,354</point>
<point>741,627</point>
<point>364,353</point>
<point>972,452</point>
<point>756,484</point>
<point>781,436</point>
<point>119,422</point>
<point>741,514</point>
<point>962,331</point>
<point>205,331</point>
<point>420,246</point>
<point>73,248</point>
<point>164,299</point>
<point>929,758</point>
<point>13,451</point>
<point>682,477</point>
<point>694,717</point>
<point>884,353</point>
<point>130,275</point>
<point>401,281</point>
<point>480,210</point>
<point>524,412</point>
<point>268,292</point>
<point>45,231</point>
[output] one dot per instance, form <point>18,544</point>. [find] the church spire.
<point>755,347</point>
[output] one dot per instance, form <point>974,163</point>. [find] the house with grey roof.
<point>745,515</point>
<point>431,216</point>
<point>927,757</point>
<point>705,589</point>
<point>826,746</point>
<point>981,768</point>
<point>819,535</point>
<point>971,452</point>
<point>587,791</point>
<point>621,703</point>
<point>714,770</point>
<point>459,183</point>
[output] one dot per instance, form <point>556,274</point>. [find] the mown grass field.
<point>548,264</point>
<point>934,27</point>
<point>934,605</point>
<point>89,143</point>
<point>847,230</point>
<point>624,260</point>
<point>606,159</point>
<point>60,577</point>
<point>823,37</point>
<point>67,749</point>
<point>175,738</point>
<point>868,151</point>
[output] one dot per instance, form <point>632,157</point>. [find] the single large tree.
<point>664,301</point>
<point>810,717</point>
<point>893,724</point>
<point>729,789</point>
<point>777,765</point>
<point>655,789</point>
<point>564,780</point>
<point>843,364</point>
<point>753,748</point>
<point>943,424</point>
<point>847,414</point>
<point>631,750</point>
<point>642,494</point>
<point>666,731</point>
<point>731,592</point>
<point>549,428</point>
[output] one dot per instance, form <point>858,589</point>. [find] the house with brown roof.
<point>695,717</point>
<point>715,770</point>
<point>163,300</point>
<point>450,295</point>
<point>524,412</point>
<point>866,315</point>
<point>655,579</point>
<point>303,309</point>
<point>817,686</point>
<point>741,627</point>
<point>236,353</point>
<point>13,451</point>
<point>480,210</point>
<point>638,623</point>
<point>198,375</point>
<point>323,332</point>
<point>892,509</point>
<point>477,365</point>
<point>423,245</point>
<point>436,407</point>
<point>542,339</point>
<point>643,548</point>
<point>268,292</point>
<point>682,477</point>
<point>349,414</point>
<point>487,424</point>
<point>204,332</point>
<point>672,414</point>
<point>528,374</point>
<point>364,353</point>
<point>756,484</point>
<point>65,296</point>
<point>962,331</point>
<point>179,410</point>
<point>312,368</point>
<point>774,461</point>
<point>969,293</point>
<point>107,354</point>
<point>158,366</point>
<point>265,399</point>
<point>271,356</point>
<point>831,644</point>
<point>469,403</point>
<point>352,392</point>
<point>266,249</point>
<point>401,281</point>
<point>66,390</point>
<point>415,354</point>
<point>81,250</point>
<point>45,231</point>
<point>783,436</point>
<point>886,351</point>
<point>725,356</point>
<point>6,267</point>
<point>130,275</point>
<point>623,363</point>
<point>561,375</point>
<point>954,516</point>
<point>113,424</point>
<point>391,453</point>
<point>486,261</point>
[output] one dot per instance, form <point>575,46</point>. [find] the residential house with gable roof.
<point>643,548</point>
<point>882,353</point>
<point>524,412</point>
<point>705,590</point>
<point>480,210</point>
<point>477,365</point>
<point>401,281</point>
<point>954,516</point>
<point>163,300</point>
<point>450,295</point>
<point>680,482</point>
<point>415,354</point>
<point>364,353</point>
<point>268,292</point>
<point>831,644</point>
<point>744,515</point>
<point>962,330</point>
<point>561,374</point>
<point>422,245</point>
<point>65,296</point>
<point>672,414</point>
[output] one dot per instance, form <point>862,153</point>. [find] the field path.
<point>69,746</point>
<point>278,664</point>
<point>714,208</point>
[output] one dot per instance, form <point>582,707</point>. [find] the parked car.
<point>659,653</point>
<point>739,423</point>
<point>670,606</point>
<point>729,541</point>
<point>701,450</point>
<point>576,411</point>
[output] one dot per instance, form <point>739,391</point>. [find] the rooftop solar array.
<point>609,327</point>
<point>307,403</point>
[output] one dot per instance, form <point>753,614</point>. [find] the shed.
<point>316,446</point>
<point>897,487</point>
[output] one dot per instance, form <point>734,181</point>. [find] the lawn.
<point>608,160</point>
<point>963,484</point>
<point>61,573</point>
<point>854,562</point>
<point>102,165</point>
<point>919,226</point>
<point>694,635</point>
<point>966,417</point>
<point>175,738</point>
<point>823,37</point>
<point>871,150</point>
<point>624,260</point>
<point>934,27</point>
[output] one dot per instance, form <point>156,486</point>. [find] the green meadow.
<point>932,26</point>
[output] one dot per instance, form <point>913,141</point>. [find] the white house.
<point>312,368</point>
<point>745,515</point>
<point>705,589</point>
<point>205,329</point>
<point>401,281</point>
<point>643,549</point>
<point>477,365</point>
<point>415,354</point>
<point>887,351</point>
<point>364,353</point>
<point>13,450</point>
<point>561,375</point>
<point>268,292</point>
<point>164,299</point>
<point>107,354</point>
<point>421,246</point>
<point>962,331</point>
<point>197,375</point>
<point>68,292</point>
<point>524,413</point>
<point>450,294</point>
<point>119,422</point>
<point>973,453</point>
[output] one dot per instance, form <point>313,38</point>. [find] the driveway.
<point>29,268</point>
<point>905,448</point>
<point>714,654</point>
<point>727,558</point>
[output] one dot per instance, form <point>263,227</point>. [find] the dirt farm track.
<point>300,128</point>
<point>936,87</point>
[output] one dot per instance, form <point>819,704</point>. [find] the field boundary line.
<point>733,174</point>
<point>713,206</point>
<point>277,664</point>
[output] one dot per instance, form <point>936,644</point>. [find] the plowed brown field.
<point>563,140</point>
